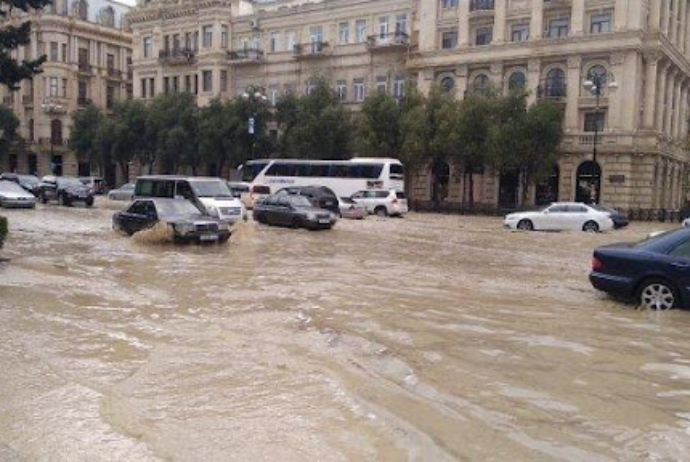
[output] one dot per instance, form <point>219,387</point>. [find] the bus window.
<point>319,170</point>
<point>371,171</point>
<point>303,169</point>
<point>251,170</point>
<point>397,172</point>
<point>338,171</point>
<point>354,171</point>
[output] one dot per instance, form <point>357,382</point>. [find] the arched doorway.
<point>508,189</point>
<point>440,178</point>
<point>588,183</point>
<point>547,190</point>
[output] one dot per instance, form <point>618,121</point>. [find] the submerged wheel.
<point>525,225</point>
<point>657,294</point>
<point>381,211</point>
<point>590,227</point>
<point>296,222</point>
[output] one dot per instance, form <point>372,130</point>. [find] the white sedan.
<point>561,216</point>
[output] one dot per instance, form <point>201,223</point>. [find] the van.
<point>210,195</point>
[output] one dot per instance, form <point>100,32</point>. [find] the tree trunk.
<point>124,169</point>
<point>524,179</point>
<point>471,184</point>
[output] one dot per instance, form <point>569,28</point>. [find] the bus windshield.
<point>250,170</point>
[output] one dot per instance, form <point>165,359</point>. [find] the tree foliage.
<point>12,72</point>
<point>9,123</point>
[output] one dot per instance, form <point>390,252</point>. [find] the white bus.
<point>344,177</point>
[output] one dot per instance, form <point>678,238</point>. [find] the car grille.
<point>207,227</point>
<point>323,216</point>
<point>230,210</point>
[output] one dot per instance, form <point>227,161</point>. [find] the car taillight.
<point>395,200</point>
<point>597,265</point>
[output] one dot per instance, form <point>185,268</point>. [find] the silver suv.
<point>382,202</point>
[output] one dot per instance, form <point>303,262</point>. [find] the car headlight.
<point>311,216</point>
<point>212,211</point>
<point>184,228</point>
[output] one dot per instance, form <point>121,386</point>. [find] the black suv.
<point>319,196</point>
<point>66,190</point>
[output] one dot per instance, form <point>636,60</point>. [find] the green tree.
<point>86,124</point>
<point>378,129</point>
<point>134,138</point>
<point>9,123</point>
<point>173,126</point>
<point>12,37</point>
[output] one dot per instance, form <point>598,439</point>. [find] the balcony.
<point>481,5</point>
<point>553,92</point>
<point>246,56</point>
<point>311,50</point>
<point>388,41</point>
<point>85,68</point>
<point>28,100</point>
<point>55,105</point>
<point>8,100</point>
<point>178,57</point>
<point>83,101</point>
<point>114,74</point>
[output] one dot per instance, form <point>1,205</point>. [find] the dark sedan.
<point>293,211</point>
<point>187,222</point>
<point>65,190</point>
<point>654,272</point>
<point>620,220</point>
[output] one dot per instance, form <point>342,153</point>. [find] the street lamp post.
<point>594,84</point>
<point>255,95</point>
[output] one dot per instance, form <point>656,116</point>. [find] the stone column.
<point>621,14</point>
<point>496,76</point>
<point>682,26</point>
<point>464,23</point>
<point>537,22</point>
<point>425,79</point>
<point>499,21</point>
<point>686,27</point>
<point>680,93</point>
<point>427,24</point>
<point>665,19</point>
<point>670,94</point>
<point>661,98</point>
<point>573,83</point>
<point>655,15</point>
<point>577,17</point>
<point>461,75</point>
<point>533,78</point>
<point>650,93</point>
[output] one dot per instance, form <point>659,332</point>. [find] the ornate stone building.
<point>88,47</point>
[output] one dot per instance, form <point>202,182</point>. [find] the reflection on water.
<point>424,338</point>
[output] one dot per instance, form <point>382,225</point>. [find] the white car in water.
<point>561,216</point>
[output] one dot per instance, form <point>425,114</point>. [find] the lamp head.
<point>613,85</point>
<point>589,85</point>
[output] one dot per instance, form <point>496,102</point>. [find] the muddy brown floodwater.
<point>425,338</point>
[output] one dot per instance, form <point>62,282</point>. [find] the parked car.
<point>351,209</point>
<point>620,220</point>
<point>96,184</point>
<point>382,202</point>
<point>28,182</point>
<point>654,272</point>
<point>561,216</point>
<point>238,188</point>
<point>211,195</point>
<point>187,221</point>
<point>66,190</point>
<point>14,196</point>
<point>123,193</point>
<point>319,196</point>
<point>294,211</point>
<point>253,194</point>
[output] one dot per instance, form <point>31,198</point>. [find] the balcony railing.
<point>53,141</point>
<point>177,57</point>
<point>481,5</point>
<point>85,68</point>
<point>114,73</point>
<point>551,91</point>
<point>55,105</point>
<point>393,39</point>
<point>8,100</point>
<point>247,55</point>
<point>310,50</point>
<point>83,101</point>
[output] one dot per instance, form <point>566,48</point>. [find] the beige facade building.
<point>88,48</point>
<point>637,49</point>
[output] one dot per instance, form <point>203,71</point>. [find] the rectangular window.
<point>290,40</point>
<point>143,88</point>
<point>148,47</point>
<point>399,86</point>
<point>83,90</point>
<point>109,96</point>
<point>449,40</point>
<point>54,52</point>
<point>383,26</point>
<point>152,88</point>
<point>166,85</point>
<point>449,3</point>
<point>344,33</point>
<point>484,35</point>
<point>401,24</point>
<point>600,23</point>
<point>110,61</point>
<point>274,44</point>
<point>196,84</point>
<point>341,90</point>
<point>207,81</point>
<point>558,28</point>
<point>273,94</point>
<point>382,83</point>
<point>224,36</point>
<point>64,53</point>
<point>223,81</point>
<point>361,30</point>
<point>188,83</point>
<point>595,121</point>
<point>176,84</point>
<point>207,37</point>
<point>360,90</point>
<point>53,89</point>
<point>519,33</point>
<point>176,43</point>
<point>63,89</point>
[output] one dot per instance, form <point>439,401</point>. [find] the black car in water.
<point>654,272</point>
<point>293,211</point>
<point>319,196</point>
<point>65,190</point>
<point>28,182</point>
<point>189,224</point>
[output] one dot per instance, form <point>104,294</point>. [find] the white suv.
<point>382,202</point>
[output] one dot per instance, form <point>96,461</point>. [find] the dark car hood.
<point>76,189</point>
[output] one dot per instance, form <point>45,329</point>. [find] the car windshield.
<point>347,200</point>
<point>176,208</point>
<point>29,179</point>
<point>128,186</point>
<point>10,187</point>
<point>601,208</point>
<point>655,237</point>
<point>63,182</point>
<point>215,189</point>
<point>299,201</point>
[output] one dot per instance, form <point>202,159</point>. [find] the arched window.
<point>555,83</point>
<point>107,16</point>
<point>80,9</point>
<point>517,81</point>
<point>447,84</point>
<point>598,72</point>
<point>480,83</point>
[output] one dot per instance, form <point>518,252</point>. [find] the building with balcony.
<point>88,50</point>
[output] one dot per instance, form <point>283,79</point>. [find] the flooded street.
<point>423,338</point>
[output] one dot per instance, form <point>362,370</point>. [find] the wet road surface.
<point>423,338</point>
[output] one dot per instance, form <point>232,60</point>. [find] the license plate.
<point>324,221</point>
<point>209,237</point>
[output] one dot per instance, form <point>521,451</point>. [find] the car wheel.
<point>657,294</point>
<point>381,211</point>
<point>590,227</point>
<point>61,200</point>
<point>44,199</point>
<point>525,225</point>
<point>89,202</point>
<point>296,222</point>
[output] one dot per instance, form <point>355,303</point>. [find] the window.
<point>555,83</point>
<point>54,56</point>
<point>480,83</point>
<point>361,30</point>
<point>110,61</point>
<point>447,84</point>
<point>400,24</point>
<point>224,36</point>
<point>63,89</point>
<point>207,81</point>
<point>176,84</point>
<point>108,16</point>
<point>207,36</point>
<point>344,33</point>
<point>382,83</point>
<point>484,35</point>
<point>166,85</point>
<point>53,87</point>
<point>290,39</point>
<point>223,80</point>
<point>109,96</point>
<point>148,47</point>
<point>274,42</point>
<point>341,90</point>
<point>599,73</point>
<point>449,40</point>
<point>82,91</point>
<point>188,83</point>
<point>595,121</point>
<point>273,94</point>
<point>600,23</point>
<point>558,28</point>
<point>519,33</point>
<point>517,81</point>
<point>383,27</point>
<point>399,86</point>
<point>64,53</point>
<point>152,87</point>
<point>360,90</point>
<point>316,36</point>
<point>143,88</point>
<point>449,3</point>
<point>311,86</point>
